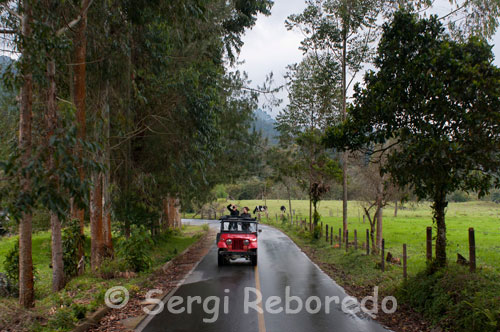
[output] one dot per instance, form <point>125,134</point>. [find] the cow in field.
<point>260,208</point>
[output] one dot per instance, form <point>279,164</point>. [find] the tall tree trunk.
<point>26,292</point>
<point>80,45</point>
<point>106,197</point>
<point>79,70</point>
<point>395,209</point>
<point>379,214</point>
<point>439,207</point>
<point>164,223</point>
<point>96,229</point>
<point>344,116</point>
<point>310,208</point>
<point>55,223</point>
<point>58,281</point>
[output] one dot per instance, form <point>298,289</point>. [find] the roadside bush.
<point>111,267</point>
<point>455,299</point>
<point>72,240</point>
<point>11,264</point>
<point>135,250</point>
<point>63,319</point>
<point>3,225</point>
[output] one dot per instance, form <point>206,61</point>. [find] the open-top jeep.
<point>237,239</point>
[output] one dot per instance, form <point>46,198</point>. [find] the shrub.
<point>11,267</point>
<point>110,267</point>
<point>455,299</point>
<point>135,249</point>
<point>63,319</point>
<point>11,263</point>
<point>72,241</point>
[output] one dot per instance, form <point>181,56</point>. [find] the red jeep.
<point>237,238</point>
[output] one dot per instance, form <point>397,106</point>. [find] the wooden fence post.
<point>346,240</point>
<point>326,234</point>
<point>472,250</point>
<point>331,235</point>
<point>276,218</point>
<point>356,239</point>
<point>405,266</point>
<point>340,238</point>
<point>383,255</point>
<point>367,242</point>
<point>429,244</point>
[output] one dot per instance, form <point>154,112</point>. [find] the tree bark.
<point>56,236</point>
<point>344,116</point>
<point>165,225</point>
<point>439,207</point>
<point>106,178</point>
<point>80,42</point>
<point>379,213</point>
<point>26,291</point>
<point>380,236</point>
<point>96,229</point>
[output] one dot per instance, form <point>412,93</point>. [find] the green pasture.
<point>410,227</point>
<point>42,254</point>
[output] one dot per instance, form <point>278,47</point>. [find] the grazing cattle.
<point>283,209</point>
<point>260,208</point>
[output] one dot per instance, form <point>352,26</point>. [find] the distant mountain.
<point>264,123</point>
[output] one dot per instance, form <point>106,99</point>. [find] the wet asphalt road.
<point>280,264</point>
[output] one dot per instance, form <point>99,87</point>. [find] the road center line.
<point>260,313</point>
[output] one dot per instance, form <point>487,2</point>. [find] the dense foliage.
<point>438,100</point>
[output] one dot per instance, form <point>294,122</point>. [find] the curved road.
<point>280,264</point>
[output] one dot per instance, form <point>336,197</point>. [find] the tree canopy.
<point>438,99</point>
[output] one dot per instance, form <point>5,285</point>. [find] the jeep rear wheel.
<point>253,260</point>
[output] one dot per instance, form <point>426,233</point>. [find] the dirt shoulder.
<point>165,279</point>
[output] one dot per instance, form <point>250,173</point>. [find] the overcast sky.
<point>270,47</point>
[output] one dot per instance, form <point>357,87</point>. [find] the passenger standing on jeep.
<point>234,210</point>
<point>246,213</point>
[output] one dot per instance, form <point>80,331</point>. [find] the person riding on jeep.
<point>246,213</point>
<point>233,209</point>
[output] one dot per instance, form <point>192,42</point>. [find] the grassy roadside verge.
<point>84,294</point>
<point>452,299</point>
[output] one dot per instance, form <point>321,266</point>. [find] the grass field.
<point>410,227</point>
<point>83,294</point>
<point>42,254</point>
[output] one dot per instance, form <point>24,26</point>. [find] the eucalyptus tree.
<point>313,105</point>
<point>41,170</point>
<point>438,100</point>
<point>343,30</point>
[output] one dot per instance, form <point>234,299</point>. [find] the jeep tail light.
<point>229,242</point>
<point>246,242</point>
